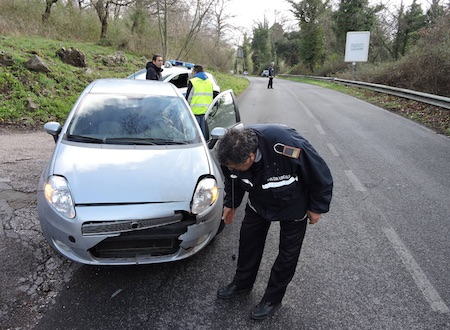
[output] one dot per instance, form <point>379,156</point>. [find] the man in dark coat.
<point>271,75</point>
<point>286,181</point>
<point>154,68</point>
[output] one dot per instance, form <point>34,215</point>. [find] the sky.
<point>250,11</point>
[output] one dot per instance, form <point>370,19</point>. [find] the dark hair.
<point>198,68</point>
<point>155,57</point>
<point>236,145</point>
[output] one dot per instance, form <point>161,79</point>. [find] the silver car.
<point>131,179</point>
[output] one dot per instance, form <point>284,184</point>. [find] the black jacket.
<point>280,187</point>
<point>153,72</point>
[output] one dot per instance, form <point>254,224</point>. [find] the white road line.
<point>355,182</point>
<point>308,112</point>
<point>320,129</point>
<point>428,291</point>
<point>304,107</point>
<point>333,149</point>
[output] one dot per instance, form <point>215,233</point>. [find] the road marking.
<point>428,291</point>
<point>333,149</point>
<point>355,182</point>
<point>305,108</point>
<point>320,129</point>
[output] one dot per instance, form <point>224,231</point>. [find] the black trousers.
<point>252,239</point>
<point>270,84</point>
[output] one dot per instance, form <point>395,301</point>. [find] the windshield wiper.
<point>132,141</point>
<point>83,138</point>
<point>143,141</point>
<point>168,141</point>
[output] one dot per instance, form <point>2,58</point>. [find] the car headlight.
<point>205,195</point>
<point>58,195</point>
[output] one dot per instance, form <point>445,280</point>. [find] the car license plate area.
<point>156,241</point>
<point>121,226</point>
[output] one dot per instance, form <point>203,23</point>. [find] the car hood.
<point>105,174</point>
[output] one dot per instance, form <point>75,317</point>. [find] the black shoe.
<point>264,309</point>
<point>231,290</point>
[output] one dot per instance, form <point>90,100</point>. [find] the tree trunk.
<point>48,9</point>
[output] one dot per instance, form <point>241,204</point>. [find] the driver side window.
<point>224,112</point>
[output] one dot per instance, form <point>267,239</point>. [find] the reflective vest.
<point>203,95</point>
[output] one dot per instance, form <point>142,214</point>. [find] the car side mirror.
<point>53,128</point>
<point>216,134</point>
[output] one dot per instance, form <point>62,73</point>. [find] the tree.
<point>48,8</point>
<point>221,20</point>
<point>246,48</point>
<point>288,48</point>
<point>191,13</point>
<point>308,13</point>
<point>275,36</point>
<point>435,12</point>
<point>353,15</point>
<point>138,16</point>
<point>103,9</point>
<point>260,46</point>
<point>408,25</point>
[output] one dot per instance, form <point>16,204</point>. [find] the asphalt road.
<point>377,260</point>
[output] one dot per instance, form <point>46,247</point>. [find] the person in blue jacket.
<point>286,181</point>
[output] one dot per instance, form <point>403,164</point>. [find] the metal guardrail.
<point>437,100</point>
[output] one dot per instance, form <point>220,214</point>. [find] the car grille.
<point>158,241</point>
<point>116,227</point>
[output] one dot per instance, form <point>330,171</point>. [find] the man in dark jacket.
<point>286,181</point>
<point>271,75</point>
<point>154,68</point>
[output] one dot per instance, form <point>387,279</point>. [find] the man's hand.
<point>313,217</point>
<point>228,215</point>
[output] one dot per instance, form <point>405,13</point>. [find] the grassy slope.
<point>55,92</point>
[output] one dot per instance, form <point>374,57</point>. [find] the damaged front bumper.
<point>130,234</point>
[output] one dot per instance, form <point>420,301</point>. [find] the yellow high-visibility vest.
<point>203,95</point>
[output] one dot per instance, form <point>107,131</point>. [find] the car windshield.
<point>127,119</point>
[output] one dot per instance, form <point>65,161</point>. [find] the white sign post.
<point>357,47</point>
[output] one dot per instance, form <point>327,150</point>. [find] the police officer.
<point>271,75</point>
<point>287,181</point>
<point>200,95</point>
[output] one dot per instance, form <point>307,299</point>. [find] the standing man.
<point>200,95</point>
<point>286,181</point>
<point>154,68</point>
<point>271,75</point>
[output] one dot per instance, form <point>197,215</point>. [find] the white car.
<point>177,75</point>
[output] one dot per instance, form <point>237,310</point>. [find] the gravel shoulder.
<point>32,273</point>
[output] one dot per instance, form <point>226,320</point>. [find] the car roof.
<point>131,86</point>
<point>176,69</point>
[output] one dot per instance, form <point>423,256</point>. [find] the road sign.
<point>357,46</point>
